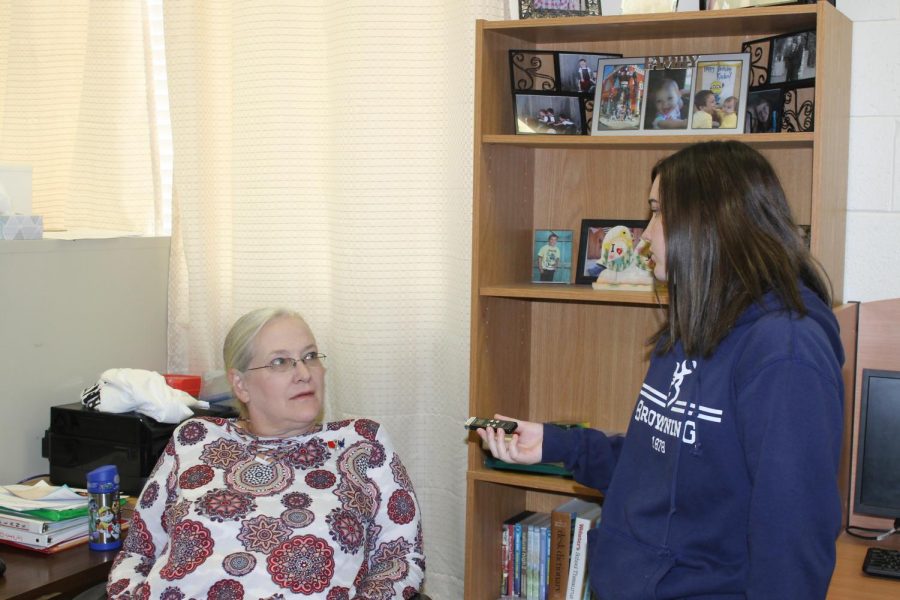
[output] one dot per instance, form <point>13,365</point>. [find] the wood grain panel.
<point>878,340</point>
<point>588,361</point>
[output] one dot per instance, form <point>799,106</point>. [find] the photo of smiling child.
<point>668,100</point>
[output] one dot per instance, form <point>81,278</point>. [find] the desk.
<point>849,582</point>
<point>31,574</point>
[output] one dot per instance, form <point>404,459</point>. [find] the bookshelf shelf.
<point>543,483</point>
<point>757,140</point>
<point>574,293</point>
<point>569,352</point>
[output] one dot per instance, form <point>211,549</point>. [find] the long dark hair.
<point>730,239</point>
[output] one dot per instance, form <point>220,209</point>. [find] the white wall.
<point>68,311</point>
<point>873,200</point>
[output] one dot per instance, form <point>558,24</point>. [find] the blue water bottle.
<point>103,509</point>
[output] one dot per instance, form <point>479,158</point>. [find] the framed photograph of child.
<point>578,71</point>
<point>552,256</point>
<point>720,94</point>
<point>618,98</point>
<point>555,114</point>
<point>607,244</point>
<point>764,110</point>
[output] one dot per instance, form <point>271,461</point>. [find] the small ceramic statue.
<point>625,265</point>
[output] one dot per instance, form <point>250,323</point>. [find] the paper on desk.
<point>39,495</point>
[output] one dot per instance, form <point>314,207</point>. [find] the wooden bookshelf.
<point>553,352</point>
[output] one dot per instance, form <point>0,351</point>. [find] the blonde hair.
<point>237,351</point>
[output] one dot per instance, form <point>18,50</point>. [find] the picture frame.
<point>729,4</point>
<point>552,256</point>
<point>590,247</point>
<point>537,9</point>
<point>658,95</point>
<point>782,58</point>
<point>562,75</point>
<point>782,107</point>
<point>555,114</point>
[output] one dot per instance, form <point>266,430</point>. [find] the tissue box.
<point>21,227</point>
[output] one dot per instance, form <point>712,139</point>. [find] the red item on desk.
<point>185,383</point>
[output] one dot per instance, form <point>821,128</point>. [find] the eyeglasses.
<point>283,364</point>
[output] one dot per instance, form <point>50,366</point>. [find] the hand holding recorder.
<point>522,447</point>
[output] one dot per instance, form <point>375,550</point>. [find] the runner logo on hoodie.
<point>660,417</point>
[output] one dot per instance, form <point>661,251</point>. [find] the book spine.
<point>517,557</point>
<point>577,559</point>
<point>23,523</point>
<point>560,539</point>
<point>545,562</point>
<point>504,554</point>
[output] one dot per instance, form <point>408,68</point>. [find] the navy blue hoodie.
<point>725,485</point>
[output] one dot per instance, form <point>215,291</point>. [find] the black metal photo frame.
<point>561,74</point>
<point>782,58</point>
<point>537,9</point>
<point>781,107</point>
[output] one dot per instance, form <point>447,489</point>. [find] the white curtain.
<point>76,104</point>
<point>322,161</point>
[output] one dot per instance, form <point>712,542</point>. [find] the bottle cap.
<point>103,478</point>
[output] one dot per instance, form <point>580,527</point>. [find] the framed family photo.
<point>552,256</point>
<point>670,95</point>
<point>607,244</point>
<point>555,114</point>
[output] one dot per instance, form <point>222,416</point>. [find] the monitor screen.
<point>878,454</point>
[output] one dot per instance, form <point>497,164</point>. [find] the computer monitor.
<point>877,488</point>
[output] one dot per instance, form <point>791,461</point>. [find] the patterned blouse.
<point>331,514</point>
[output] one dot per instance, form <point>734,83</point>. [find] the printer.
<point>81,439</point>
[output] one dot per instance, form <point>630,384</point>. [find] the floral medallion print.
<point>303,564</point>
<point>150,494</point>
<point>224,505</point>
<point>222,454</point>
<point>226,589</point>
<point>171,593</point>
<point>175,513</point>
<point>409,592</point>
<point>142,592</point>
<point>345,529</point>
<point>309,455</point>
<point>196,477</point>
<point>401,508</point>
<point>118,587</point>
<point>355,490</point>
<point>263,534</point>
<point>191,433</point>
<point>191,545</point>
<point>335,425</point>
<point>296,500</point>
<point>400,474</point>
<point>389,567</point>
<point>258,479</point>
<point>145,566</point>
<point>170,447</point>
<point>366,428</point>
<point>238,564</point>
<point>320,480</point>
<point>139,541</point>
<point>338,593</point>
<point>297,517</point>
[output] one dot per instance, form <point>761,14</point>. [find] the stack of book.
<point>544,555</point>
<point>42,517</point>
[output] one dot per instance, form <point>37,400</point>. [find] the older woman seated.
<point>274,504</point>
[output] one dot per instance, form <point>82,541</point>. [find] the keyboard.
<point>883,562</point>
